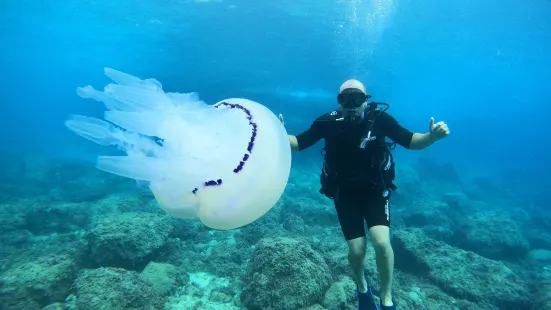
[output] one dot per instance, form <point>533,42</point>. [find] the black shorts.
<point>358,204</point>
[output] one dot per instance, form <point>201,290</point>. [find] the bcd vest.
<point>381,161</point>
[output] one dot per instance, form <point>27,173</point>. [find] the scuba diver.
<point>357,173</point>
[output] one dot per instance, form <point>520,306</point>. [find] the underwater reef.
<point>73,237</point>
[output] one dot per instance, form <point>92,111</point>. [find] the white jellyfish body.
<point>226,164</point>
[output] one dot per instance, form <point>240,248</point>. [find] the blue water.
<point>481,66</point>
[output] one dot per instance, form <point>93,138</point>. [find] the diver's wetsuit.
<point>359,197</point>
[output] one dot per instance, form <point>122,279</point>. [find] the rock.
<point>539,258</point>
<point>164,279</point>
<point>433,216</point>
<point>284,273</point>
<point>114,289</point>
<point>314,307</point>
<point>13,225</point>
<point>463,274</point>
<point>311,210</point>
<point>293,223</point>
<point>41,282</point>
<point>207,291</point>
<point>250,234</point>
<point>226,261</point>
<point>542,295</point>
<point>46,219</point>
<point>542,218</point>
<point>457,201</point>
<point>129,239</point>
<point>341,295</point>
<point>493,234</point>
<point>427,212</point>
<point>407,180</point>
<point>122,202</point>
<point>437,175</point>
<point>539,239</point>
<point>12,217</point>
<point>55,306</point>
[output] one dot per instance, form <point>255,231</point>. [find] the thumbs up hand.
<point>439,130</point>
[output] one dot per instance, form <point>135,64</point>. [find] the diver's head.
<point>352,100</point>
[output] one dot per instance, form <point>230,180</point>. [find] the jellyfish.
<point>225,164</point>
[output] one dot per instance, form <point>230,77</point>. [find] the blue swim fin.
<point>366,300</point>
<point>393,307</point>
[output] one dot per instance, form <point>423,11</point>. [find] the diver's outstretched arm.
<point>436,132</point>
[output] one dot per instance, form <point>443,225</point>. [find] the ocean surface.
<point>471,219</point>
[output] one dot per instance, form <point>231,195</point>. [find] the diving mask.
<point>351,98</point>
<point>352,103</point>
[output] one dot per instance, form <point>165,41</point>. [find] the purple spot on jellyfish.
<point>239,167</point>
<point>214,183</point>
